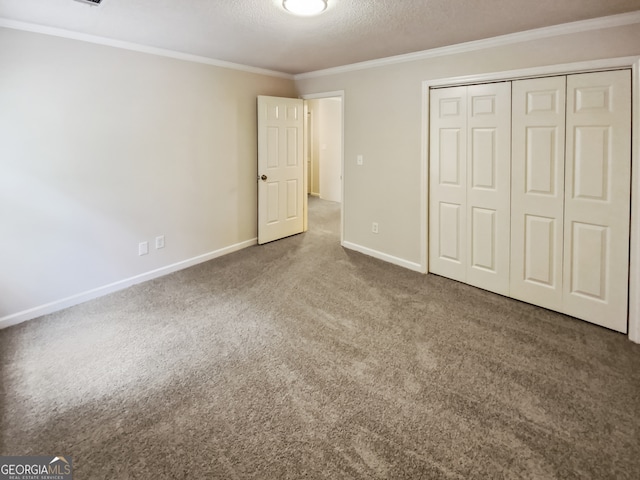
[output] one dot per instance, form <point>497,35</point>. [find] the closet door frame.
<point>632,63</point>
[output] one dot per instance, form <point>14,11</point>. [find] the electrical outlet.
<point>374,227</point>
<point>143,248</point>
<point>359,160</point>
<point>160,241</point>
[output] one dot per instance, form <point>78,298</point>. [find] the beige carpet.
<point>300,359</point>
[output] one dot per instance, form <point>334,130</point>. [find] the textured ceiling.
<point>260,33</point>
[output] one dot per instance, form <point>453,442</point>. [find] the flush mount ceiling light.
<point>305,8</point>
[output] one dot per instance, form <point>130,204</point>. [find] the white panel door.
<point>597,198</point>
<point>537,190</point>
<point>280,168</point>
<point>448,183</point>
<point>488,186</point>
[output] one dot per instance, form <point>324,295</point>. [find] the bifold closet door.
<point>597,198</point>
<point>537,190</point>
<point>530,186</point>
<point>470,132</point>
<point>489,186</point>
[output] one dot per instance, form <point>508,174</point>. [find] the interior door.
<point>597,193</point>
<point>280,168</point>
<point>537,190</point>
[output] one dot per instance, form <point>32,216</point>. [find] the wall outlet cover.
<point>143,248</point>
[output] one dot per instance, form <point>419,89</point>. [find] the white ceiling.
<point>260,33</point>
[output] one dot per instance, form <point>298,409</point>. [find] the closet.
<point>529,185</point>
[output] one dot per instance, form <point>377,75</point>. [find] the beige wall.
<point>314,146</point>
<point>102,148</point>
<point>326,148</point>
<point>383,123</point>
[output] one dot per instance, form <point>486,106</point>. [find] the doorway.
<point>324,150</point>
<point>324,156</point>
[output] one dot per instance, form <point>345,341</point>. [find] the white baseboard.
<point>634,334</point>
<point>634,325</point>
<point>56,305</point>
<point>416,267</point>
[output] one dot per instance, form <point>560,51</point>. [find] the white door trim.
<point>536,72</point>
<point>605,64</point>
<point>314,96</point>
<point>634,267</point>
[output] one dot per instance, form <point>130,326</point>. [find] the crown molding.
<point>612,21</point>
<point>83,37</point>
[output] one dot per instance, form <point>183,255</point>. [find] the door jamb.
<point>314,96</point>
<point>632,63</point>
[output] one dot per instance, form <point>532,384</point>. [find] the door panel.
<point>451,161</point>
<point>589,261</point>
<point>542,161</point>
<point>292,199</point>
<point>450,234</point>
<point>272,147</point>
<point>488,189</point>
<point>597,193</point>
<point>280,160</point>
<point>591,162</point>
<point>447,184</point>
<point>537,186</point>
<point>483,158</point>
<point>273,202</point>
<point>540,252</point>
<point>292,147</point>
<point>483,239</point>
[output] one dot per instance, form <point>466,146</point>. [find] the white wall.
<point>102,148</point>
<point>330,139</point>
<point>383,108</point>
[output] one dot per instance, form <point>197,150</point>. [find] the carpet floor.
<point>300,359</point>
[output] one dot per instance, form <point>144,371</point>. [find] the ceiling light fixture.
<point>305,8</point>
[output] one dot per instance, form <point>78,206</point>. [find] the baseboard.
<point>416,267</point>
<point>56,305</point>
<point>634,329</point>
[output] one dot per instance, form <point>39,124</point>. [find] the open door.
<point>280,168</point>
